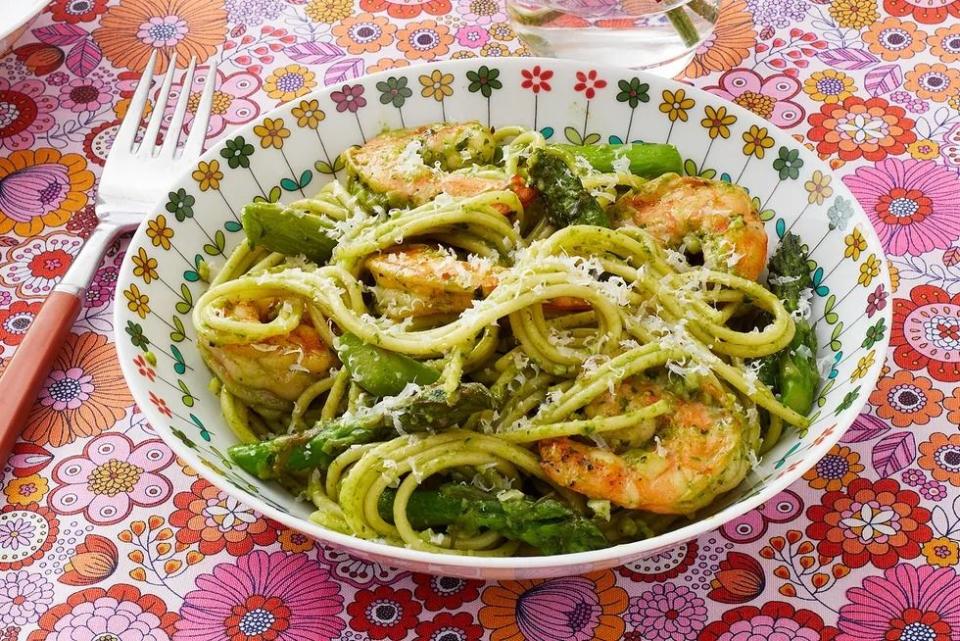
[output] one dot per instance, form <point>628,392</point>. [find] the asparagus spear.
<point>545,524</point>
<point>379,371</point>
<point>288,230</point>
<point>647,160</point>
<point>427,408</point>
<point>793,371</point>
<point>565,199</point>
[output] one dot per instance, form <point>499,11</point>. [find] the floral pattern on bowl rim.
<point>294,149</point>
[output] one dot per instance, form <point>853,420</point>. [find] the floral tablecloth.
<point>105,536</point>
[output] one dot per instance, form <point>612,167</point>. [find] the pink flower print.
<point>85,94</point>
<point>66,389</point>
<point>473,37</point>
<point>913,204</point>
<point>285,597</point>
<point>110,478</point>
<point>23,597</point>
<point>16,533</point>
<point>24,113</point>
<point>666,612</point>
<point>163,31</point>
<point>767,97</point>
<point>231,100</point>
<point>906,602</point>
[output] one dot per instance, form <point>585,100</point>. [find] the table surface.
<point>864,548</point>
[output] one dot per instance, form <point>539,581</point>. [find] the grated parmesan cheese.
<point>621,164</point>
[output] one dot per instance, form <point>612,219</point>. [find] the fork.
<point>134,179</point>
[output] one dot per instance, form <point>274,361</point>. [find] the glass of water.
<point>657,35</point>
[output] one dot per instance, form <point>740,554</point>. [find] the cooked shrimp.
<point>411,167</point>
<point>276,370</point>
<point>421,280</point>
<point>713,218</point>
<point>702,448</point>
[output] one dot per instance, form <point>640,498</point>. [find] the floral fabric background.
<point>105,535</point>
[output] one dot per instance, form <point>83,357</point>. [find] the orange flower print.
<point>836,470</point>
<point>894,39</point>
<point>41,188</point>
<point>424,40</point>
<point>407,8</point>
<point>133,29</point>
<point>906,400</point>
<point>941,457</point>
<point>83,395</point>
<point>214,521</point>
<point>388,63</point>
<point>856,128</point>
<point>732,38</point>
<point>945,43</point>
<point>952,403</point>
<point>935,82</point>
<point>364,33</point>
<point>575,607</point>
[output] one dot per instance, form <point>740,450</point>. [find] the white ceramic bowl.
<point>15,17</point>
<point>568,101</point>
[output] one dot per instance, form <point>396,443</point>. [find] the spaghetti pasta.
<point>542,334</point>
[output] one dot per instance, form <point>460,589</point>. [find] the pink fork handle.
<point>31,363</point>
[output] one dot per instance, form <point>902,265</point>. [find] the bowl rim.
<point>528,566</point>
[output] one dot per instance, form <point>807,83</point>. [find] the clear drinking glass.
<point>644,34</point>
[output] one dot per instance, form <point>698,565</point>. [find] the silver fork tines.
<point>137,173</point>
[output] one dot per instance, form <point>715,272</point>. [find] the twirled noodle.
<point>636,311</point>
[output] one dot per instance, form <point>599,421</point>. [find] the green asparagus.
<point>565,199</point>
<point>545,524</point>
<point>793,371</point>
<point>379,371</point>
<point>647,160</point>
<point>428,408</point>
<point>288,230</point>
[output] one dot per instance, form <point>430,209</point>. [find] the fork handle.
<point>30,364</point>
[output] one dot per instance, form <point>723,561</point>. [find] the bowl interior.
<point>567,102</point>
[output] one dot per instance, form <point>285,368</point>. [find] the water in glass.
<point>661,37</point>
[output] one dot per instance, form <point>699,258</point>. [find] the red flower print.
<point>446,626</point>
<point>926,332</point>
<point>536,79</point>
<point>15,320</point>
<point>445,592</point>
<point>350,97</point>
<point>923,11</point>
<point>74,11</point>
<point>144,369</point>
<point>384,613</point>
<point>870,522</point>
<point>271,608</point>
<point>856,128</point>
<point>218,521</point>
<point>739,579</point>
<point>161,405</point>
<point>93,560</point>
<point>588,83</point>
<point>775,620</point>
